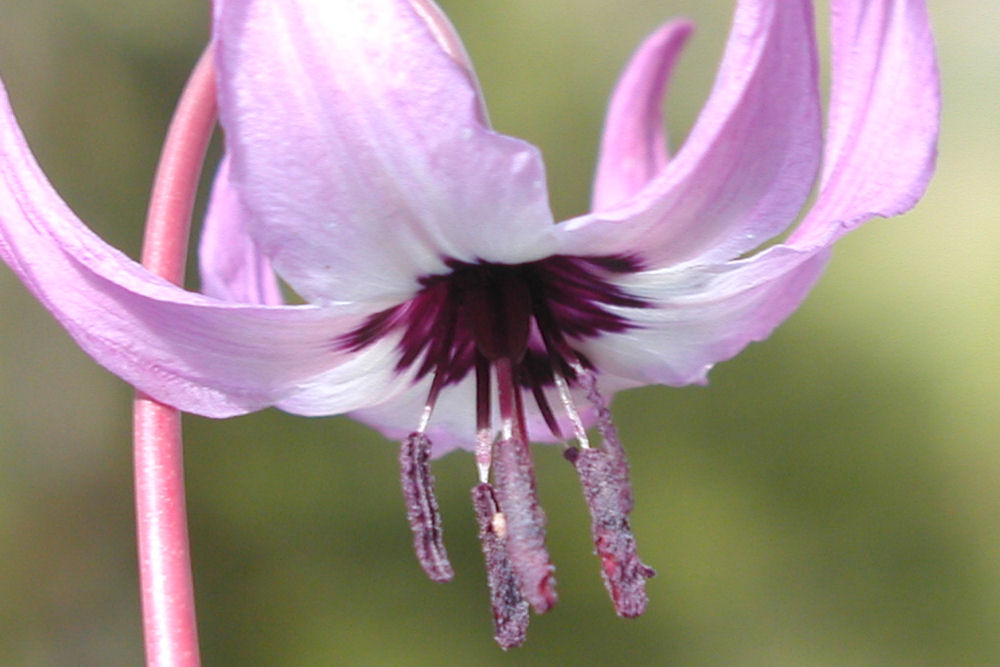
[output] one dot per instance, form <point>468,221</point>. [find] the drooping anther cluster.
<point>517,327</point>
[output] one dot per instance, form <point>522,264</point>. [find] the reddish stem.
<point>171,633</point>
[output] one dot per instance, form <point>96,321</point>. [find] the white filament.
<point>579,430</point>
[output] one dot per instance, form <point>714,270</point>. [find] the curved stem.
<point>169,626</point>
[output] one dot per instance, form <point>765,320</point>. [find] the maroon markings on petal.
<point>503,310</point>
<point>604,478</point>
<point>422,507</point>
<point>510,611</point>
<point>541,400</point>
<point>514,474</point>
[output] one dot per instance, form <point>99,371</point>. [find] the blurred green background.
<point>832,498</point>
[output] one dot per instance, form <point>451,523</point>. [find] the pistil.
<point>414,464</point>
<point>579,430</point>
<point>517,494</point>
<point>518,498</point>
<point>484,431</point>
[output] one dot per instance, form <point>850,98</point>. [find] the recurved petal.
<point>885,108</point>
<point>634,143</point>
<point>198,354</point>
<point>749,163</point>
<point>232,266</point>
<point>884,114</point>
<point>447,38</point>
<point>703,314</point>
<point>359,150</point>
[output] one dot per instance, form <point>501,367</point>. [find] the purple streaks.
<point>510,611</point>
<point>517,494</point>
<point>494,306</point>
<point>422,507</point>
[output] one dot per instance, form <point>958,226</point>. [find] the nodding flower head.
<point>443,304</point>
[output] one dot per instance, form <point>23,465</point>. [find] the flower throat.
<point>516,328</point>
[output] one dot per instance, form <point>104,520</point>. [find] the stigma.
<point>520,329</point>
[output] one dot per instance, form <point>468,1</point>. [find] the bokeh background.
<point>832,498</point>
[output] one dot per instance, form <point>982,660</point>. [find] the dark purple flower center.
<point>529,313</point>
<point>518,327</point>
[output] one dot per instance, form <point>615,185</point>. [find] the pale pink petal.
<point>453,424</point>
<point>368,377</point>
<point>701,315</point>
<point>885,108</point>
<point>447,38</point>
<point>359,151</point>
<point>749,163</point>
<point>884,119</point>
<point>634,143</point>
<point>195,353</point>
<point>232,267</point>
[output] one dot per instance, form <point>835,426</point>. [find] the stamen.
<point>510,611</point>
<point>425,418</point>
<point>518,498</point>
<point>579,430</point>
<point>422,507</point>
<point>484,453</point>
<point>605,426</point>
<point>484,432</point>
<point>506,429</point>
<point>509,398</point>
<point>604,475</point>
<point>609,498</point>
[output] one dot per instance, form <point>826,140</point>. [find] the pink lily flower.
<point>444,305</point>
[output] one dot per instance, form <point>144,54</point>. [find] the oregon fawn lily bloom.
<point>444,305</point>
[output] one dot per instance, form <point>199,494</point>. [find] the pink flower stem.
<point>171,634</point>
